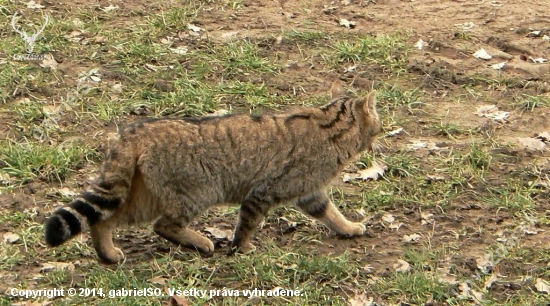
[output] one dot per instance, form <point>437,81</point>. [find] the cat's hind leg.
<point>320,207</point>
<point>102,240</point>
<point>176,231</point>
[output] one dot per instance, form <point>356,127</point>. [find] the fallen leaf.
<point>542,285</point>
<point>492,112</point>
<point>179,50</point>
<point>427,218</point>
<point>411,238</point>
<point>538,60</point>
<point>376,170</point>
<point>396,226</point>
<point>420,44</point>
<point>117,88</point>
<point>228,35</point>
<point>220,112</point>
<point>33,5</point>
<point>482,54</point>
<point>158,280</point>
<point>193,27</point>
<point>388,218</point>
<point>52,266</point>
<point>361,300</point>
<point>499,66</point>
<point>10,237</point>
<point>219,234</point>
<point>109,8</point>
<point>347,24</point>
<point>467,26</point>
<point>394,132</point>
<point>416,144</point>
<point>402,266</point>
<point>66,192</point>
<point>48,62</point>
<point>531,144</point>
<point>177,300</point>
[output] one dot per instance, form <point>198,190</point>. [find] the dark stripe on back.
<point>101,201</point>
<point>297,116</point>
<point>86,210</point>
<point>70,219</point>
<point>256,118</point>
<point>337,117</point>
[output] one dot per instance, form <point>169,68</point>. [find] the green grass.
<point>28,160</point>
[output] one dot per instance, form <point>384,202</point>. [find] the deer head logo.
<point>28,39</point>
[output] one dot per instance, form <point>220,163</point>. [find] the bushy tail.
<point>97,204</point>
<point>77,216</point>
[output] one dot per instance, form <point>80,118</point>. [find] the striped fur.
<point>170,170</point>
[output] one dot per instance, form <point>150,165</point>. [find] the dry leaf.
<point>420,44</point>
<point>48,62</point>
<point>499,66</point>
<point>376,170</point>
<point>482,54</point>
<point>193,27</point>
<point>109,8</point>
<point>10,237</point>
<point>219,234</point>
<point>427,218</point>
<point>52,266</point>
<point>361,300</point>
<point>402,266</point>
<point>159,280</point>
<point>491,111</point>
<point>347,24</point>
<point>179,50</point>
<point>467,26</point>
<point>177,300</point>
<point>531,144</point>
<point>539,60</point>
<point>228,35</point>
<point>411,238</point>
<point>33,5</point>
<point>394,132</point>
<point>388,218</point>
<point>220,112</point>
<point>542,285</point>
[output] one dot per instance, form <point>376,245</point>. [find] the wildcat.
<point>170,170</point>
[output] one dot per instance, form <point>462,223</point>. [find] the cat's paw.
<point>353,229</point>
<point>206,246</point>
<point>114,256</point>
<point>358,229</point>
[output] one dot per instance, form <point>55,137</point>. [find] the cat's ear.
<point>337,89</point>
<point>369,106</point>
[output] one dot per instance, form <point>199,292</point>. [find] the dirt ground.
<point>444,70</point>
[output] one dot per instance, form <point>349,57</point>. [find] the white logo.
<point>28,39</point>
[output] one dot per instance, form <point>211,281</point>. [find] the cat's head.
<point>370,122</point>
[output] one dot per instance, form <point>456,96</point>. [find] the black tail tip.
<point>55,235</point>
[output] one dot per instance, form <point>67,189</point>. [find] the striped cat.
<point>170,170</point>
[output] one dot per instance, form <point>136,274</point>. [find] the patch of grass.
<point>28,160</point>
<point>515,196</point>
<point>384,50</point>
<point>449,129</point>
<point>306,36</point>
<point>393,96</point>
<point>532,102</point>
